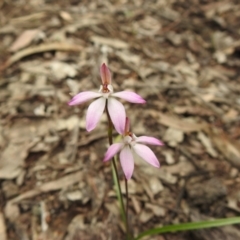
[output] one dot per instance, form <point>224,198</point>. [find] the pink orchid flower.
<point>106,98</point>
<point>128,146</point>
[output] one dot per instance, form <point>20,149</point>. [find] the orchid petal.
<point>117,113</point>
<point>129,96</point>
<point>127,162</point>
<point>94,112</point>
<point>83,97</point>
<point>112,150</point>
<point>105,74</point>
<point>146,154</point>
<point>149,140</point>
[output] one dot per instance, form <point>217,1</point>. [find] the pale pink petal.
<point>112,150</point>
<point>83,97</point>
<point>105,74</point>
<point>117,113</point>
<point>127,162</point>
<point>147,154</point>
<point>94,112</point>
<point>129,96</point>
<point>149,140</point>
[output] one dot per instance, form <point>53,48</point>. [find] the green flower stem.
<point>115,173</point>
<point>127,206</point>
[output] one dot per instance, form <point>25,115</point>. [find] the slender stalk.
<point>115,173</point>
<point>127,202</point>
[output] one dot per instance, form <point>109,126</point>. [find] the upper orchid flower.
<point>106,98</point>
<point>131,144</point>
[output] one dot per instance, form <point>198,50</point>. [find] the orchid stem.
<point>127,202</point>
<point>115,174</point>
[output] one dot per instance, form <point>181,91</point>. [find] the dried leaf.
<point>11,211</point>
<point>194,110</point>
<point>182,168</point>
<point>54,185</point>
<point>133,187</point>
<point>173,122</point>
<point>228,148</point>
<point>207,144</point>
<point>12,160</point>
<point>169,158</point>
<point>231,115</point>
<point>66,16</point>
<point>155,185</point>
<point>74,196</point>
<point>115,43</point>
<point>24,39</point>
<point>166,176</point>
<point>3,230</point>
<point>157,210</point>
<point>173,136</point>
<point>145,216</point>
<point>61,70</point>
<point>41,48</point>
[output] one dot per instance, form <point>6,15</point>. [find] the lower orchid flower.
<point>130,145</point>
<point>106,99</point>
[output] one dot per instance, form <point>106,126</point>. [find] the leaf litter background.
<point>183,57</point>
